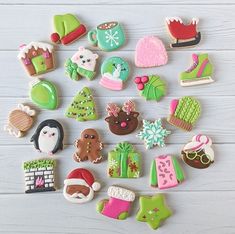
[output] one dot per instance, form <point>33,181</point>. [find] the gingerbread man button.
<point>88,147</point>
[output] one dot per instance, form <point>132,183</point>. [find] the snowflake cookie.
<point>153,133</point>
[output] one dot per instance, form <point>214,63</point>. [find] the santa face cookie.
<point>20,120</point>
<point>88,147</point>
<point>48,137</point>
<point>37,58</point>
<point>198,153</point>
<point>79,186</point>
<point>115,72</point>
<point>67,29</point>
<point>118,205</point>
<point>82,64</point>
<point>122,121</point>
<point>184,34</point>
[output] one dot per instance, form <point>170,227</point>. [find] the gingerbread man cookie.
<point>88,147</point>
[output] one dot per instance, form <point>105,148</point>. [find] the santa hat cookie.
<point>79,186</point>
<point>150,52</point>
<point>67,29</point>
<point>198,153</point>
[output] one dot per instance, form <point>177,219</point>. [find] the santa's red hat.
<point>81,176</point>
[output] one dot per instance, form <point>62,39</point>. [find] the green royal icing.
<point>178,171</point>
<point>39,64</point>
<point>44,94</point>
<point>41,163</point>
<point>153,173</point>
<point>154,89</point>
<point>124,162</point>
<point>82,107</point>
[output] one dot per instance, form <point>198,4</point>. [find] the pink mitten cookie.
<point>150,52</point>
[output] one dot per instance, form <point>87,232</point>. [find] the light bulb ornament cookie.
<point>123,120</point>
<point>198,153</point>
<point>80,186</point>
<point>115,72</point>
<point>48,137</point>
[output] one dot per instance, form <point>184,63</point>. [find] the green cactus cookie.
<point>184,112</point>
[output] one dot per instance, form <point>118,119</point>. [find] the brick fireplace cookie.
<point>88,147</point>
<point>20,120</point>
<point>37,58</point>
<point>39,175</point>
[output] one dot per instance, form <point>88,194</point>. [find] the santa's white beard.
<point>78,197</point>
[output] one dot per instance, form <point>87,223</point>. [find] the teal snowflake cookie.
<point>153,133</point>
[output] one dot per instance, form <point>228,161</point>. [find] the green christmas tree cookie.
<point>82,107</point>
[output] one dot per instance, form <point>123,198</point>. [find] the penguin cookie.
<point>48,137</point>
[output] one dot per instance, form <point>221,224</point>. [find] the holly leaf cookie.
<point>153,210</point>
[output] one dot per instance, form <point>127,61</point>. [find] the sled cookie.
<point>39,175</point>
<point>37,58</point>
<point>124,161</point>
<point>82,64</point>
<point>107,36</point>
<point>153,133</point>
<point>44,94</point>
<point>198,153</point>
<point>48,137</point>
<point>199,73</point>
<point>184,113</point>
<point>88,147</point>
<point>150,52</point>
<point>80,186</point>
<point>115,72</point>
<point>153,210</point>
<point>20,120</point>
<point>67,29</point>
<point>122,121</point>
<point>184,34</point>
<point>165,172</point>
<point>118,205</point>
<point>151,87</point>
<point>82,107</point>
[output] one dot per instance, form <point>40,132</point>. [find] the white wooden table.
<point>205,202</point>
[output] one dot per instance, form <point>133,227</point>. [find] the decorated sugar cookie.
<point>37,58</point>
<point>80,186</point>
<point>184,112</point>
<point>118,205</point>
<point>82,64</point>
<point>153,210</point>
<point>151,87</point>
<point>48,137</point>
<point>107,36</point>
<point>150,52</point>
<point>39,175</point>
<point>115,72</point>
<point>124,161</point>
<point>88,147</point>
<point>43,93</point>
<point>82,107</point>
<point>184,34</point>
<point>199,73</point>
<point>198,153</point>
<point>153,133</point>
<point>165,172</point>
<point>67,29</point>
<point>122,121</point>
<point>20,120</point>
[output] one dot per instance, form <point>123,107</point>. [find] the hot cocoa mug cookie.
<point>88,147</point>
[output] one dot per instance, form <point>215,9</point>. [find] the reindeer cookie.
<point>122,121</point>
<point>88,147</point>
<point>20,120</point>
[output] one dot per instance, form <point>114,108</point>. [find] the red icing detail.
<point>77,33</point>
<point>123,124</point>
<point>140,86</point>
<point>138,80</point>
<point>144,79</point>
<point>181,31</point>
<point>55,38</point>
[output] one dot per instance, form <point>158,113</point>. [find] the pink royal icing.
<point>111,84</point>
<point>173,105</point>
<point>165,172</point>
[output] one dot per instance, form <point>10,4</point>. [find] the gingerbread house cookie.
<point>37,58</point>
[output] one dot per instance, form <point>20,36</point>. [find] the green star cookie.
<point>153,210</point>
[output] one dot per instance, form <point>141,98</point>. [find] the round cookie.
<point>88,147</point>
<point>114,71</point>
